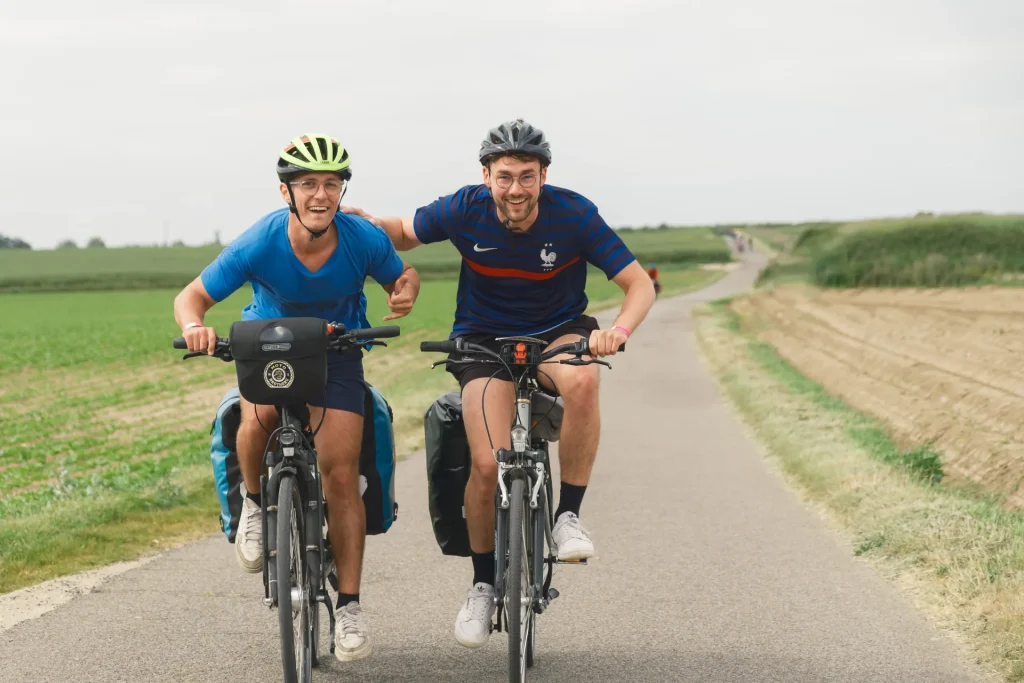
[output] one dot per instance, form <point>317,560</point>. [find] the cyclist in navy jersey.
<point>525,247</point>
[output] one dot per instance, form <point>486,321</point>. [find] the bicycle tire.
<point>531,630</point>
<point>317,567</point>
<point>538,522</point>
<point>291,567</point>
<point>518,563</point>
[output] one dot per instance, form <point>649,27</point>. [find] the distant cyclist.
<point>308,259</point>
<point>652,272</point>
<point>525,247</point>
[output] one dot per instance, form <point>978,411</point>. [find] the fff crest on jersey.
<point>547,258</point>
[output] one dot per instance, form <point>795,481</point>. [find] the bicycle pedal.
<point>573,562</point>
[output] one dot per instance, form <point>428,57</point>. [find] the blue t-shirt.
<point>284,288</point>
<point>528,283</point>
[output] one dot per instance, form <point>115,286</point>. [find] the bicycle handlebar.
<point>385,332</point>
<point>439,347</point>
<point>339,338</point>
<point>580,348</point>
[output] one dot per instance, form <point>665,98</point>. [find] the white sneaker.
<point>351,636</point>
<point>570,538</point>
<point>473,625</point>
<point>249,537</point>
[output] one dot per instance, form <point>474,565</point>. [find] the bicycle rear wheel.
<point>293,584</point>
<point>518,583</point>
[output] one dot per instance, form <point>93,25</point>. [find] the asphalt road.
<point>709,570</point>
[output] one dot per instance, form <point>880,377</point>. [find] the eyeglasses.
<point>504,180</point>
<point>310,187</point>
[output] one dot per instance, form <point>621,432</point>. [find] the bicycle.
<point>524,517</point>
<point>283,362</point>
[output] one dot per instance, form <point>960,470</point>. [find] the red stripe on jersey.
<point>515,272</point>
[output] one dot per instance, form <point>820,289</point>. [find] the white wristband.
<point>190,326</point>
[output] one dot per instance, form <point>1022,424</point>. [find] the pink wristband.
<point>624,330</point>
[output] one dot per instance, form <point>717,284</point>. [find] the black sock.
<point>254,497</point>
<point>570,499</point>
<point>483,568</point>
<point>345,598</point>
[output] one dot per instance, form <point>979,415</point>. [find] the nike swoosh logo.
<point>476,247</point>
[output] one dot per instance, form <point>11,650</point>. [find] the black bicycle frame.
<point>301,463</point>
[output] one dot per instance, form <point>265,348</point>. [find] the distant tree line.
<point>93,243</point>
<point>13,243</point>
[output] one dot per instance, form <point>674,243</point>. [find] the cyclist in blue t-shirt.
<point>308,259</point>
<point>525,247</point>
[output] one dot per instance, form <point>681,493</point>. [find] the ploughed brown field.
<point>938,366</point>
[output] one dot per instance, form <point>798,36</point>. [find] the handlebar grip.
<point>586,347</point>
<point>440,347</point>
<point>180,343</point>
<point>380,332</point>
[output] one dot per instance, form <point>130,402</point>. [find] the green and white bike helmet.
<point>313,154</point>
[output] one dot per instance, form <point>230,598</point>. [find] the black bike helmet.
<point>515,137</point>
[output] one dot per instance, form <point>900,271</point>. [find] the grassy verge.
<point>104,432</point>
<point>100,530</point>
<point>958,556</point>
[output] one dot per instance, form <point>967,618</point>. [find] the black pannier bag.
<point>449,463</point>
<point>280,361</point>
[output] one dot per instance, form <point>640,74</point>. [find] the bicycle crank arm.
<point>544,603</point>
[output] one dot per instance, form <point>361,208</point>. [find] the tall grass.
<point>940,253</point>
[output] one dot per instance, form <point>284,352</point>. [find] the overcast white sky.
<point>132,120</point>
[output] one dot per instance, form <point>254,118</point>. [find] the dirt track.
<point>938,366</point>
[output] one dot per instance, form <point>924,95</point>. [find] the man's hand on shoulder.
<point>403,293</point>
<point>359,212</point>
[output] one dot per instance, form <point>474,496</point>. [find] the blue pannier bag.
<point>377,461</point>
<point>227,477</point>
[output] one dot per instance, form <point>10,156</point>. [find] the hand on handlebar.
<point>606,342</point>
<point>201,339</point>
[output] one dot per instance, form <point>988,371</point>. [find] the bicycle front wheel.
<point>518,583</point>
<point>293,585</point>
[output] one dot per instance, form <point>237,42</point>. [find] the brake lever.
<point>194,354</point>
<point>579,361</point>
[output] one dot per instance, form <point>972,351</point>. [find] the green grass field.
<point>104,431</point>
<point>156,267</point>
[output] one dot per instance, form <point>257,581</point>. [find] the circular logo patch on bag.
<point>278,374</point>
